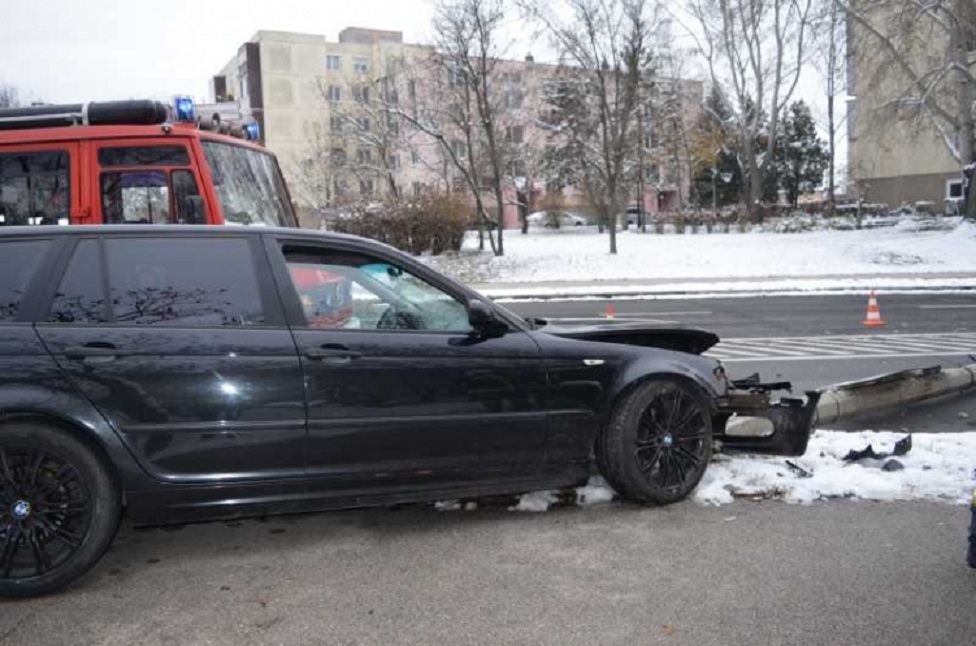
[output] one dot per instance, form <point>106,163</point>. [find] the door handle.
<point>332,354</point>
<point>95,352</point>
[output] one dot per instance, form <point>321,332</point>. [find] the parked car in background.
<point>556,219</point>
<point>195,372</point>
<point>631,217</point>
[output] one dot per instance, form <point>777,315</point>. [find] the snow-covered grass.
<point>939,467</point>
<point>574,255</point>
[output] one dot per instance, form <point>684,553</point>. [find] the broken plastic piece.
<point>902,447</point>
<point>892,465</point>
<point>798,470</point>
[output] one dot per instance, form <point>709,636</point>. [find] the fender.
<point>59,399</point>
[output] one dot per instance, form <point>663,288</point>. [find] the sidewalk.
<point>732,286</point>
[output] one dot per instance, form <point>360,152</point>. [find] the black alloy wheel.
<point>59,508</point>
<point>658,441</point>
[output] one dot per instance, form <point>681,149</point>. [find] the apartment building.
<point>328,110</point>
<point>897,148</point>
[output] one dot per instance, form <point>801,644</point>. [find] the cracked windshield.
<point>481,322</point>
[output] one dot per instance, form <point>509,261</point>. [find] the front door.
<point>399,389</point>
<point>178,341</point>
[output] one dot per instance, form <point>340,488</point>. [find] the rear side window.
<point>34,188</point>
<point>80,297</point>
<point>183,282</point>
<point>18,262</point>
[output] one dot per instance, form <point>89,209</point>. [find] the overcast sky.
<point>63,51</point>
<point>67,51</point>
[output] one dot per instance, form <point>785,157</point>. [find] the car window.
<point>140,197</point>
<point>144,156</point>
<point>80,297</point>
<point>18,262</point>
<point>347,291</point>
<point>34,188</point>
<point>183,281</point>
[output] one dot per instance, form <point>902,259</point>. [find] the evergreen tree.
<point>801,158</point>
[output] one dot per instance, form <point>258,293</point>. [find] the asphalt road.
<point>807,318</point>
<point>778,316</point>
<point>837,573</point>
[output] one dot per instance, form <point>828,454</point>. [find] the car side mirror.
<point>484,321</point>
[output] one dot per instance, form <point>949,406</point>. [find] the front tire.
<point>657,443</point>
<point>59,509</point>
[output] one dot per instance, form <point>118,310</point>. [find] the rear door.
<point>180,343</point>
<point>39,184</point>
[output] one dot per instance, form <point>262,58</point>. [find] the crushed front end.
<point>748,418</point>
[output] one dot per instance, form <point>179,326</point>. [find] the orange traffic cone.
<point>611,312</point>
<point>874,314</point>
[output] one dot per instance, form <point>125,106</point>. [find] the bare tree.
<point>918,54</point>
<point>755,51</point>
<point>830,42</point>
<point>605,46</point>
<point>9,97</point>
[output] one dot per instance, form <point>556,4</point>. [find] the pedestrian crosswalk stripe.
<point>834,347</point>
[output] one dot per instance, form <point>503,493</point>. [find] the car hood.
<point>665,336</point>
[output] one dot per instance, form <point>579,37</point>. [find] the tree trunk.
<point>967,126</point>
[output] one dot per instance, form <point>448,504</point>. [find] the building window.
<point>364,124</point>
<point>333,63</point>
<point>365,187</point>
<point>360,65</point>
<point>414,157</point>
<point>394,162</point>
<point>364,156</point>
<point>360,94</point>
<point>458,183</point>
<point>954,189</point>
<point>418,189</point>
<point>455,77</point>
<point>412,90</point>
<point>460,150</point>
<point>335,124</point>
<point>515,134</point>
<point>338,156</point>
<point>340,187</point>
<point>335,93</point>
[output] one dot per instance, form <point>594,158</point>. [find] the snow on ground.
<point>939,467</point>
<point>581,254</point>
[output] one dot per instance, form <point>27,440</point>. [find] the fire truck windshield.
<point>249,186</point>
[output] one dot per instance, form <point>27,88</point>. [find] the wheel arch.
<point>641,374</point>
<point>86,436</point>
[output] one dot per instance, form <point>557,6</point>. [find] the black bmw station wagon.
<point>193,373</point>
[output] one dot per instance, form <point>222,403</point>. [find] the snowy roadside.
<point>581,257</point>
<point>939,468</point>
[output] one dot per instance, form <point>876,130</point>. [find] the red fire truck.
<point>135,162</point>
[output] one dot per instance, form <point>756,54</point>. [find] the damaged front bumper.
<point>780,428</point>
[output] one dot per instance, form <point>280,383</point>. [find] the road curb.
<point>851,399</point>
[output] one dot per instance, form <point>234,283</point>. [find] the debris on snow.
<point>902,447</point>
<point>893,465</point>
<point>937,468</point>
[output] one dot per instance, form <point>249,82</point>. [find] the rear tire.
<point>59,509</point>
<point>657,443</point>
